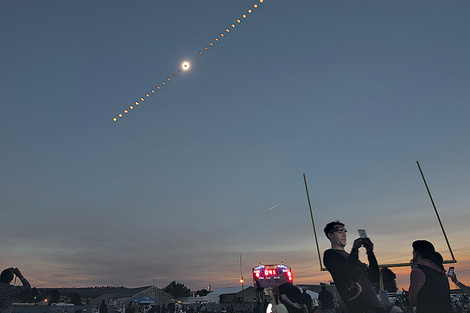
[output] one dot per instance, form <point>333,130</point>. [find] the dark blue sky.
<point>350,93</point>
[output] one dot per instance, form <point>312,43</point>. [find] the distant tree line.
<point>84,292</point>
<point>178,290</point>
<point>70,295</point>
<point>75,295</point>
<point>175,289</point>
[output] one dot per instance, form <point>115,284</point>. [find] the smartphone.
<point>451,271</point>
<point>362,233</point>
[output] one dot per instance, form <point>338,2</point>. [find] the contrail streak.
<point>278,204</point>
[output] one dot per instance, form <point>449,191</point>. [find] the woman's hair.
<point>427,251</point>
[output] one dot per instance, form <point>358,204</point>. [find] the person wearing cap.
<point>353,280</point>
<point>7,291</point>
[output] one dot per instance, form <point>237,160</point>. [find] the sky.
<point>208,170</point>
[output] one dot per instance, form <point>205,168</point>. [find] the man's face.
<point>338,236</point>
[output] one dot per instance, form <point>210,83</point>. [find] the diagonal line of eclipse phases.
<point>186,65</point>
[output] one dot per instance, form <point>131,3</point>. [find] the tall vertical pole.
<point>437,214</point>
<point>313,224</point>
<point>241,279</point>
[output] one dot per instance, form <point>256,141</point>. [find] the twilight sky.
<point>351,93</point>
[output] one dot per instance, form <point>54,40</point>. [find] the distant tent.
<point>142,299</point>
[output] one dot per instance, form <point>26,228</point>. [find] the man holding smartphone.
<point>353,280</point>
<point>7,291</point>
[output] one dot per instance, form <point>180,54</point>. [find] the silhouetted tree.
<point>76,299</point>
<point>35,295</point>
<point>177,290</point>
<point>202,292</point>
<point>389,278</point>
<point>54,297</point>
<point>29,296</point>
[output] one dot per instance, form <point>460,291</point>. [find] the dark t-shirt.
<point>294,295</point>
<point>353,280</point>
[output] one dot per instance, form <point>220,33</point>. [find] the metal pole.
<point>313,225</point>
<point>437,214</point>
<point>241,280</point>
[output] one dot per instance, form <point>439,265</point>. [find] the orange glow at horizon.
<point>306,271</point>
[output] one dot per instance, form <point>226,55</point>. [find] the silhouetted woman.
<point>429,286</point>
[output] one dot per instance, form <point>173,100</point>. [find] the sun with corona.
<point>185,66</point>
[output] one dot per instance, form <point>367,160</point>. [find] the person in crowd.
<point>256,306</point>
<point>7,291</point>
<point>130,307</point>
<point>277,307</point>
<point>171,307</point>
<point>291,297</point>
<point>463,287</point>
<point>353,280</point>
<point>203,308</point>
<point>259,290</point>
<point>103,307</point>
<point>429,287</point>
<point>325,297</point>
<point>306,299</point>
